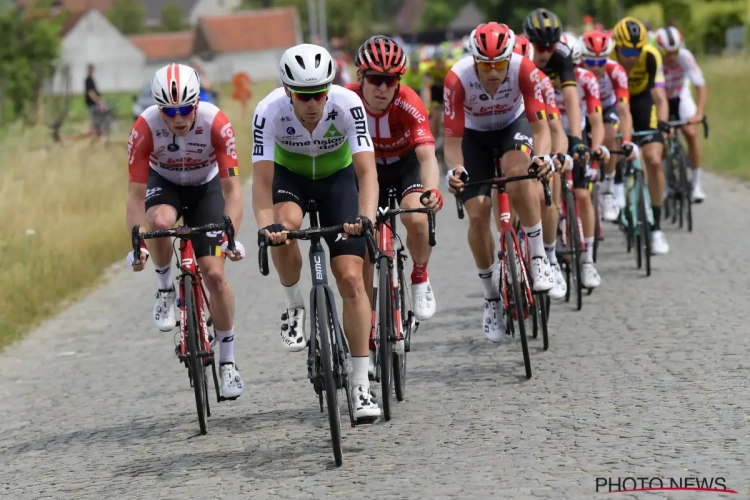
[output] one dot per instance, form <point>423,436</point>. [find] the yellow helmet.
<point>630,33</point>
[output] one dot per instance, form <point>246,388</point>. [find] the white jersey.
<point>207,150</point>
<point>279,136</point>
<point>685,69</point>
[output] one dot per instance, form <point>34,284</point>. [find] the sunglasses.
<point>543,48</point>
<point>489,66</point>
<point>378,80</point>
<point>630,52</point>
<point>595,62</point>
<point>307,96</point>
<point>182,110</point>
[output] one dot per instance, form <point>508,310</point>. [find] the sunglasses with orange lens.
<point>489,66</point>
<point>378,80</point>
<point>304,96</point>
<point>543,48</point>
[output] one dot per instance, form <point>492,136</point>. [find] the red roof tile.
<point>157,46</point>
<point>247,31</point>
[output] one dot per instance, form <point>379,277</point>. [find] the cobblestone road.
<point>650,379</point>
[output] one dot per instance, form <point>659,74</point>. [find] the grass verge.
<point>63,213</point>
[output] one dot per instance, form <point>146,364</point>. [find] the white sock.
<point>588,255</point>
<point>293,296</point>
<point>551,253</point>
<point>226,346</point>
<point>164,275</point>
<point>490,291</point>
<point>697,176</point>
<point>536,243</point>
<point>359,371</point>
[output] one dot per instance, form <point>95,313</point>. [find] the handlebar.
<point>680,124</point>
<point>138,237</point>
<point>310,233</point>
<point>502,181</point>
<point>385,214</point>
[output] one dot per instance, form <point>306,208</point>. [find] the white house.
<point>209,8</point>
<point>248,41</point>
<point>92,39</point>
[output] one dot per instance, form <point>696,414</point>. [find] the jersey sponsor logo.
<point>331,115</point>
<point>173,147</point>
<point>448,104</point>
<point>360,126</point>
<point>332,132</point>
<point>290,130</point>
<point>198,130</point>
<point>521,137</point>
<point>228,132</point>
<point>325,143</point>
<point>484,97</point>
<point>150,193</point>
<point>409,108</point>
<point>258,126</point>
<point>196,144</point>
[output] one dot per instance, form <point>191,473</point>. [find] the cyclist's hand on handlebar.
<point>239,250</point>
<point>433,201</point>
<point>566,165</point>
<point>634,150</point>
<point>354,226</point>
<point>602,153</point>
<point>697,119</point>
<point>581,152</point>
<point>453,180</point>
<point>140,265</point>
<point>545,166</point>
<point>276,233</point>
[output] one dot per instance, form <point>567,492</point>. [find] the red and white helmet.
<point>571,41</point>
<point>492,42</point>
<point>175,85</point>
<point>524,47</point>
<point>669,39</point>
<point>596,44</point>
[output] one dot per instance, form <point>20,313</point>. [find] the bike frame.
<point>188,264</point>
<point>567,185</point>
<point>386,239</point>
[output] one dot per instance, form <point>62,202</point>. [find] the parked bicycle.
<point>195,347</point>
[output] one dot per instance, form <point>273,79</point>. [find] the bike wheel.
<point>517,298</point>
<point>326,357</point>
<point>644,226</point>
<point>596,200</point>
<point>686,188</point>
<point>543,306</point>
<point>574,241</point>
<point>399,358</point>
<point>197,371</point>
<point>385,332</point>
<point>523,245</point>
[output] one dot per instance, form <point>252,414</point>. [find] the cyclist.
<point>310,141</point>
<point>679,66</point>
<point>649,108</point>
<point>182,161</point>
<point>560,144</point>
<point>544,29</point>
<point>435,73</point>
<point>613,90</point>
<point>414,76</point>
<point>494,100</point>
<point>591,107</point>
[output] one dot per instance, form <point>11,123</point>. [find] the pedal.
<point>365,420</point>
<point>399,347</point>
<point>222,398</point>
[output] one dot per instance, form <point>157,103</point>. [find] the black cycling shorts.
<point>337,198</point>
<point>610,114</point>
<point>478,147</point>
<point>405,176</point>
<point>436,94</point>
<point>643,110</point>
<point>197,205</point>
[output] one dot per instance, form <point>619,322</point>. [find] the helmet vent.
<point>289,70</point>
<point>318,58</point>
<point>300,61</point>
<point>174,91</point>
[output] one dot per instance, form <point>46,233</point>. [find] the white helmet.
<point>307,65</point>
<point>573,42</point>
<point>175,85</point>
<point>669,39</point>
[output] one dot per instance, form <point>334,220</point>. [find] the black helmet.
<point>542,27</point>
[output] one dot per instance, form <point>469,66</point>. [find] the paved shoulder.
<point>649,380</point>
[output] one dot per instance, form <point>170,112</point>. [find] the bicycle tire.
<point>523,245</point>
<point>544,314</point>
<point>595,199</point>
<point>399,360</point>
<point>510,260</point>
<point>196,365</point>
<point>686,187</point>
<point>329,383</point>
<point>385,332</point>
<point>575,246</point>
<point>645,227</point>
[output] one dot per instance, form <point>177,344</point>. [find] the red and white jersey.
<point>208,149</point>
<point>588,95</point>
<point>675,76</point>
<point>613,85</point>
<point>550,102</point>
<point>399,129</point>
<point>467,105</point>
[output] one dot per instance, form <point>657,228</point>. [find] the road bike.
<point>516,292</point>
<point>392,303</point>
<point>329,364</point>
<point>195,347</point>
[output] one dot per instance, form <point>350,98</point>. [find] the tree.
<point>128,16</point>
<point>172,18</point>
<point>346,19</point>
<point>437,14</point>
